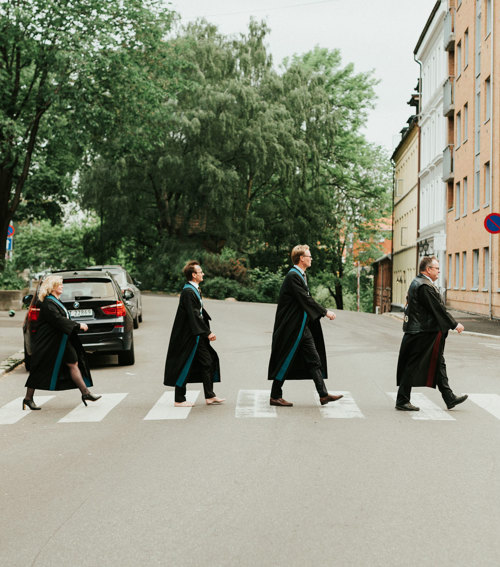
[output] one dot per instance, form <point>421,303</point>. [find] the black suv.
<point>93,298</point>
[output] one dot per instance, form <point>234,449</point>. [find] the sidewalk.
<point>474,324</point>
<point>11,340</point>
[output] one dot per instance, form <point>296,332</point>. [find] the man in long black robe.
<point>421,361</point>
<point>298,348</point>
<point>190,356</point>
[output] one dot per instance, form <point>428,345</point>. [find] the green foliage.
<point>43,246</point>
<point>10,279</point>
<point>58,61</point>
<point>190,145</point>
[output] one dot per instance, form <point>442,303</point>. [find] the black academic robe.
<point>421,354</point>
<point>54,331</point>
<point>191,324</point>
<point>296,310</point>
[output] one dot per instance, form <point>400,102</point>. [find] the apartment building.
<point>471,104</point>
<point>433,60</point>
<point>405,211</point>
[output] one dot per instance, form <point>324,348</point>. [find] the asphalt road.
<point>373,487</point>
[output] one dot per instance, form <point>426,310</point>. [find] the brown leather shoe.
<point>280,402</point>
<point>330,398</point>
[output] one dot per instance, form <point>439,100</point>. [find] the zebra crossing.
<point>250,404</point>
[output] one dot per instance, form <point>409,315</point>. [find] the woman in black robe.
<point>58,361</point>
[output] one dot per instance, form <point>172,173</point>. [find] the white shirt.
<point>195,285</point>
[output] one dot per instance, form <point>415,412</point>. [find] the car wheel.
<point>140,318</point>
<point>136,323</point>
<point>127,357</point>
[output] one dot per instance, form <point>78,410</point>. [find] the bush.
<point>227,264</point>
<point>9,278</point>
<point>266,283</point>
<point>43,246</point>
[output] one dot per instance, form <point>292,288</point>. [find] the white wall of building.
<point>434,69</point>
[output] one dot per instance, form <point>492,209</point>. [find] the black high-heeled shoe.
<point>89,398</point>
<point>31,404</point>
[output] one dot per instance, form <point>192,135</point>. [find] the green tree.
<point>56,59</point>
<point>43,246</point>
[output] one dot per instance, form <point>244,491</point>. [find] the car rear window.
<point>119,277</point>
<point>88,288</point>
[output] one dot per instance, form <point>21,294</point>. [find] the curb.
<point>12,362</point>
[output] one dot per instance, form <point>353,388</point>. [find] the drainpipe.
<point>419,114</point>
<point>492,56</point>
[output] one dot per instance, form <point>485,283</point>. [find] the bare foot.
<point>183,404</point>
<point>215,400</point>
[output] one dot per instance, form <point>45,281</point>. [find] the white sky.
<point>372,34</point>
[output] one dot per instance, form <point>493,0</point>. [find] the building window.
<point>487,106</point>
<point>457,270</point>
<point>477,145</point>
<point>464,270</point>
<point>487,183</point>
<point>475,269</point>
<point>466,121</point>
<point>449,271</point>
<point>399,187</point>
<point>459,128</point>
<point>486,268</point>
<point>488,17</point>
<point>457,200</point>
<point>459,58</point>
<point>464,212</point>
<point>477,179</point>
<point>466,48</point>
<point>404,232</point>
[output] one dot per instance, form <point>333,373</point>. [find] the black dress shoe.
<point>456,401</point>
<point>280,402</point>
<point>407,407</point>
<point>330,398</point>
<point>31,404</point>
<point>89,397</point>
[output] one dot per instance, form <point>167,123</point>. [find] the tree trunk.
<point>5,213</point>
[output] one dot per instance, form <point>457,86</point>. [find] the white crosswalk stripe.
<point>488,402</point>
<point>249,404</point>
<point>428,410</point>
<point>254,403</point>
<point>165,409</point>
<point>95,411</point>
<point>345,408</point>
<point>12,412</point>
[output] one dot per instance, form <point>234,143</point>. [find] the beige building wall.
<point>404,258</point>
<point>472,255</point>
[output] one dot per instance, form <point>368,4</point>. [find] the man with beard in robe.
<point>190,357</point>
<point>426,325</point>
<point>298,348</point>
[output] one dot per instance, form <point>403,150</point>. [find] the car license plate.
<point>75,313</point>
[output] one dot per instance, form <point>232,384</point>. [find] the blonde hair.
<point>48,285</point>
<point>297,252</point>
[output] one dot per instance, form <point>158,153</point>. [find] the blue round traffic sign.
<point>492,223</point>
<point>10,231</point>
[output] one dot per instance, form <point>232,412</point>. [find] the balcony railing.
<point>448,173</point>
<point>449,96</point>
<point>449,31</point>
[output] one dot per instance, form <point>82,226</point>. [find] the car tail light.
<point>117,309</point>
<point>33,313</point>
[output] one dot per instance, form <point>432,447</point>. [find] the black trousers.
<point>307,351</point>
<point>204,362</point>
<point>404,391</point>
